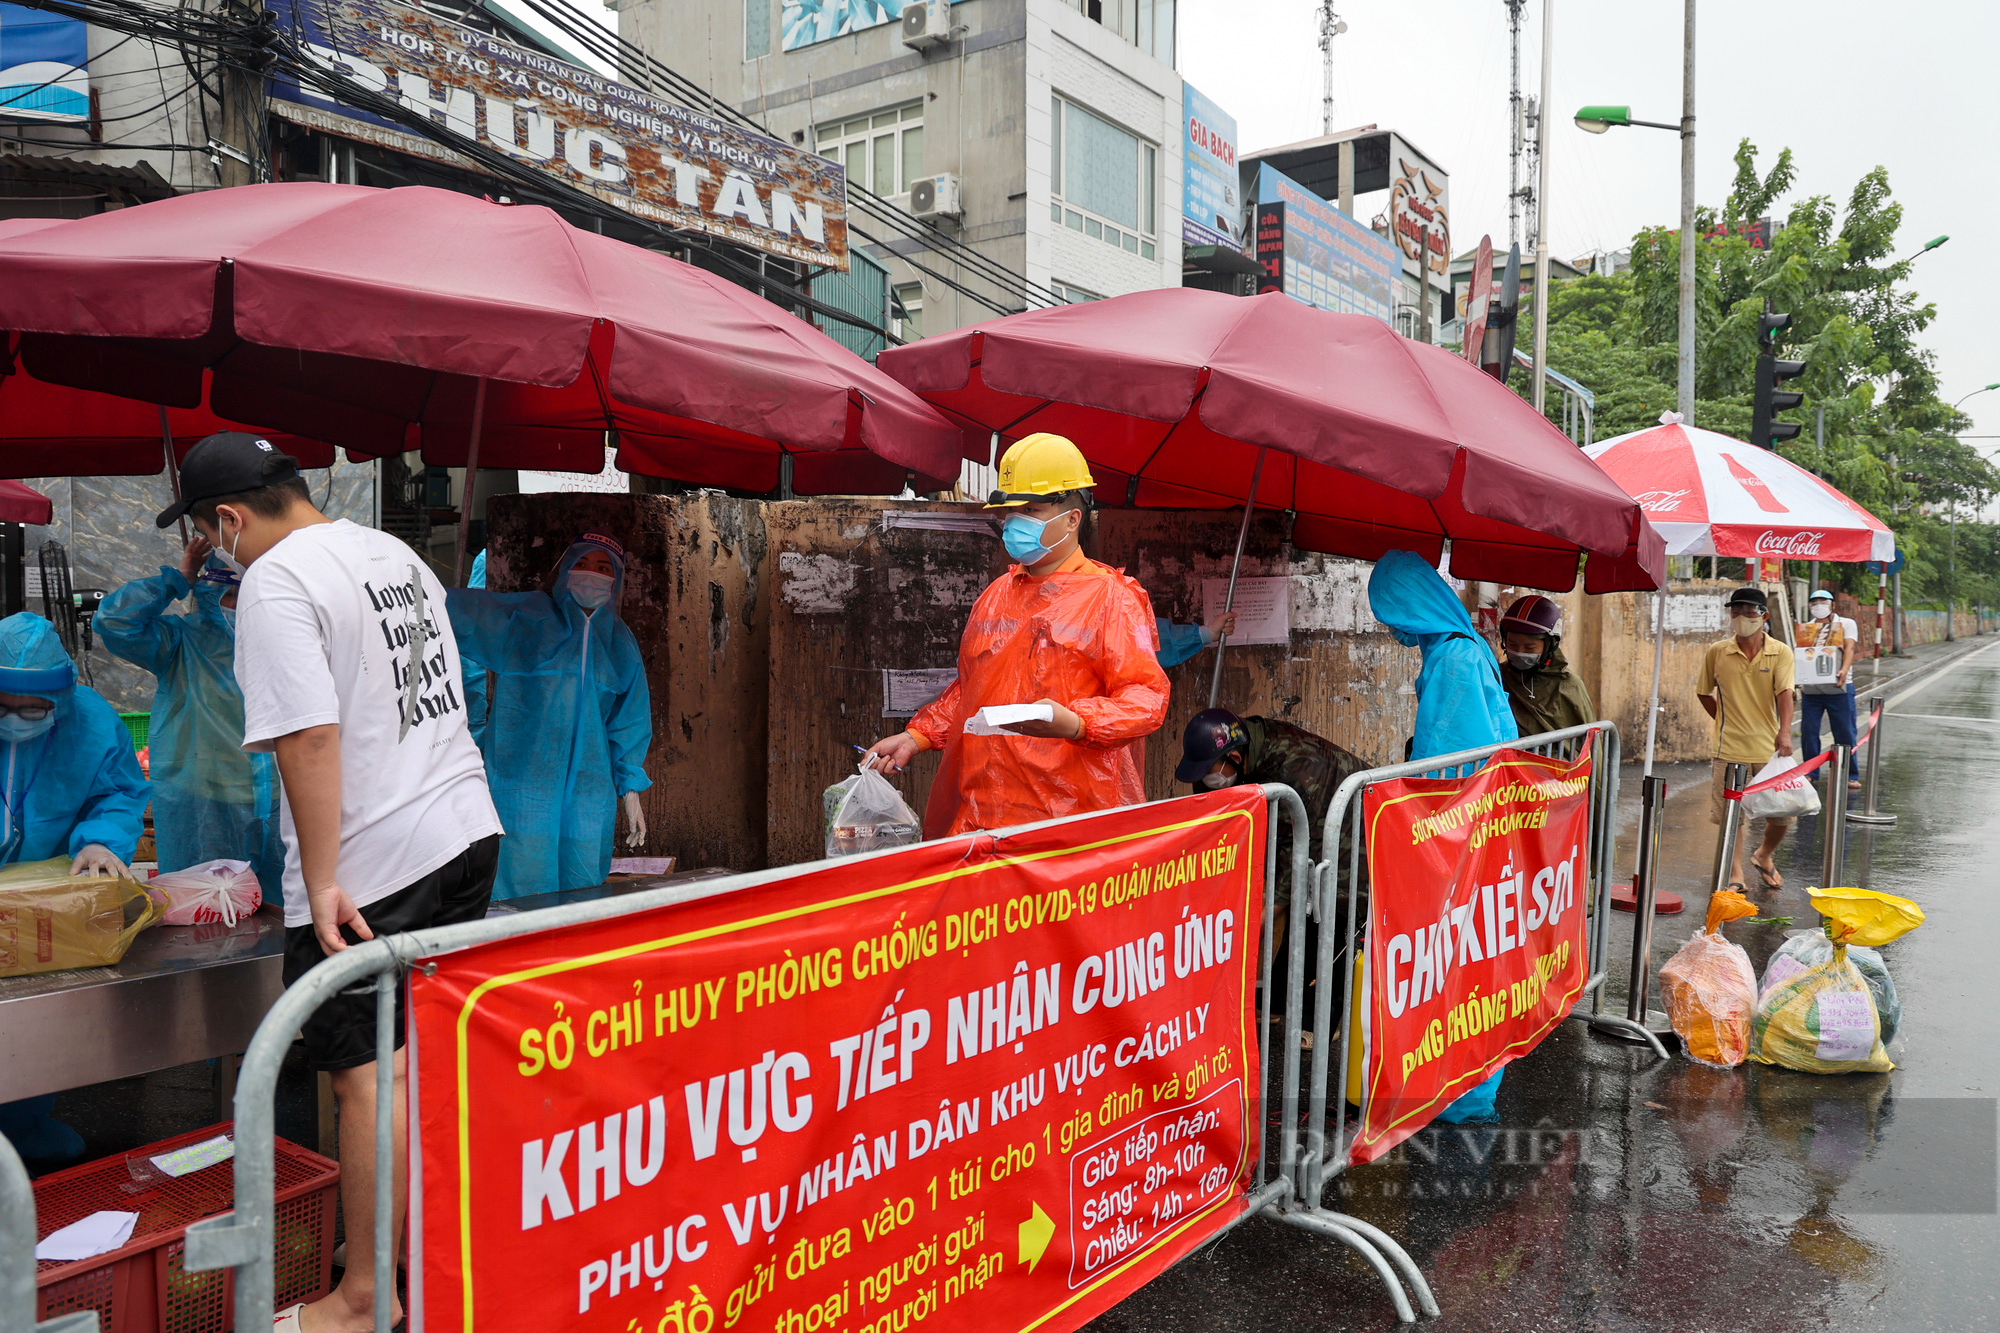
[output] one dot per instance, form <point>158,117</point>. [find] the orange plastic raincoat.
<point>1083,637</point>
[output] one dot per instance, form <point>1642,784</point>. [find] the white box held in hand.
<point>1001,719</point>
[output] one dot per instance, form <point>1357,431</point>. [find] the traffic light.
<point>1765,432</point>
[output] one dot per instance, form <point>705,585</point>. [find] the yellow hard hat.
<point>1036,467</point>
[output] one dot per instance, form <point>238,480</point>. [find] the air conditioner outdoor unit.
<point>926,23</point>
<point>936,197</point>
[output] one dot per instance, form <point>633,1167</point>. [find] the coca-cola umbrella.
<point>1184,398</point>
<point>24,504</point>
<point>1709,494</point>
<point>385,320</point>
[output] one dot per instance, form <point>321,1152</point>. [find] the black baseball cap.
<point>1211,734</point>
<point>1750,597</point>
<point>228,462</point>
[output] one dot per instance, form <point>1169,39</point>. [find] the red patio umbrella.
<point>24,504</point>
<point>1185,398</point>
<point>385,320</point>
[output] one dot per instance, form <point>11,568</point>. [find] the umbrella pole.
<point>471,484</point>
<point>1236,564</point>
<point>1659,651</point>
<point>173,468</point>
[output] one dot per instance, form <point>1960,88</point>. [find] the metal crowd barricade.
<point>1303,1152</point>
<point>245,1239</point>
<point>17,1255</point>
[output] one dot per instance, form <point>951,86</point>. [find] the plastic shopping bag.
<point>1804,950</point>
<point>1710,989</point>
<point>865,814</point>
<point>1825,1020</point>
<point>214,891</point>
<point>50,920</point>
<point>1788,800</point>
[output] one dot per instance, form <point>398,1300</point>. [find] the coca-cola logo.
<point>1659,502</point>
<point>1789,544</point>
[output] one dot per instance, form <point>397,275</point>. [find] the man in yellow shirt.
<point>1746,686</point>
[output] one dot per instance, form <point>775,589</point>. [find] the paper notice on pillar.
<point>1263,609</point>
<point>651,157</point>
<point>992,1083</point>
<point>904,692</point>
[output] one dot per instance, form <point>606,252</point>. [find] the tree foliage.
<point>1856,323</point>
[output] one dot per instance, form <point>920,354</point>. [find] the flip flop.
<point>1738,886</point>
<point>1772,879</point>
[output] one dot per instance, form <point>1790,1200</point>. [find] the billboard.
<point>805,22</point>
<point>650,157</point>
<point>1420,211</point>
<point>43,66</point>
<point>1211,207</point>
<point>1315,253</point>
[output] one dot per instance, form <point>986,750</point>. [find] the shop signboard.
<point>1478,301</point>
<point>996,1081</point>
<point>1317,254</point>
<point>44,62</point>
<point>805,22</point>
<point>651,157</point>
<point>1479,953</point>
<point>1211,207</point>
<point>1420,211</point>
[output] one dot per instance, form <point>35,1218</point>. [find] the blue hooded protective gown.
<point>1178,643</point>
<point>476,704</point>
<point>76,783</point>
<point>569,728</point>
<point>211,800</point>
<point>1461,703</point>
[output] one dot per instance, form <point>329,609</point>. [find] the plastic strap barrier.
<point>1011,1076</point>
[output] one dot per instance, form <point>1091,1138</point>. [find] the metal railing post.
<point>1834,820</point>
<point>18,1293</point>
<point>1652,800</point>
<point>1733,778</point>
<point>1870,813</point>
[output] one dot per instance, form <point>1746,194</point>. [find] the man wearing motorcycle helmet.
<point>1543,692</point>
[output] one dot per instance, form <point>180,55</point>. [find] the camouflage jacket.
<point>1311,766</point>
<point>1549,699</point>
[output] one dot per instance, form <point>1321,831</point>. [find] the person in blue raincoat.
<point>1180,642</point>
<point>477,706</point>
<point>69,786</point>
<point>571,718</point>
<point>212,800</point>
<point>1461,704</point>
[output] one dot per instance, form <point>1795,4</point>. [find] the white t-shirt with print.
<point>343,624</point>
<point>1853,633</point>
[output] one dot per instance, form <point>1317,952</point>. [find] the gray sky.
<point>1846,86</point>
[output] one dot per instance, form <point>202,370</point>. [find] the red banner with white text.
<point>1475,947</point>
<point>1000,1081</point>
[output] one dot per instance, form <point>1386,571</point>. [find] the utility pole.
<point>1541,214</point>
<point>1516,124</point>
<point>1687,224</point>
<point>1330,26</point>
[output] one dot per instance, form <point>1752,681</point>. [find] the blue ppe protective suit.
<point>76,783</point>
<point>1461,703</point>
<point>476,703</point>
<point>211,799</point>
<point>1178,643</point>
<point>570,725</point>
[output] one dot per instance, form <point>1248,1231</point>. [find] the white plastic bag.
<point>866,814</point>
<point>214,891</point>
<point>1793,799</point>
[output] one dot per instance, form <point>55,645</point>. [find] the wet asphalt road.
<point>1619,1192</point>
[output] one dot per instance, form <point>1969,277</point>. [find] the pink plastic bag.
<point>212,892</point>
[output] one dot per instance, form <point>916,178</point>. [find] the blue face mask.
<point>1022,536</point>
<point>15,729</point>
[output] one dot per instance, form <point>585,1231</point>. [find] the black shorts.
<point>341,1033</point>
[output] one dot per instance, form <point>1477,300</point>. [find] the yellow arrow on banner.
<point>1036,1233</point>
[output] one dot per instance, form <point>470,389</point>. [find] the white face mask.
<point>227,555</point>
<point>1822,610</point>
<point>1744,626</point>
<point>1218,778</point>
<point>229,617</point>
<point>588,590</point>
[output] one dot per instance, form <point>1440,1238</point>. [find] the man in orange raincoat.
<point>1057,628</point>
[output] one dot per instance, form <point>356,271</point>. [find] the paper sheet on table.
<point>999,719</point>
<point>195,1156</point>
<point>100,1233</point>
<point>1263,609</point>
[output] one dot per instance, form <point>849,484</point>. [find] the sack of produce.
<point>50,921</point>
<point>1825,1019</point>
<point>213,892</point>
<point>1710,989</point>
<point>865,814</point>
<point>1804,950</point>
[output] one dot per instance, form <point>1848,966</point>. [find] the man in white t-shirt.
<point>350,674</point>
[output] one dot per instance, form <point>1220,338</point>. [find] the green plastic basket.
<point>139,725</point>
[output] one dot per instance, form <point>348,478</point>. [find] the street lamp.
<point>1930,245</point>
<point>1598,119</point>
<point>1976,392</point>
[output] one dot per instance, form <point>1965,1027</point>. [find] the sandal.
<point>1772,879</point>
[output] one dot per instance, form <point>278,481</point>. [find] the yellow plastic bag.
<point>50,920</point>
<point>1710,989</point>
<point>1822,1021</point>
<point>1863,916</point>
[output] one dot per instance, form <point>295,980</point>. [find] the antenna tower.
<point>1331,25</point>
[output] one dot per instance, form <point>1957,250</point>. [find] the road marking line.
<point>1890,701</point>
<point>1947,717</point>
